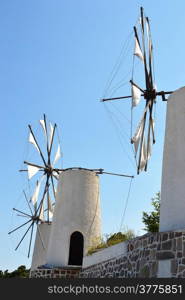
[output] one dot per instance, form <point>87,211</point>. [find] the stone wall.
<point>145,256</point>
<point>71,272</point>
<point>148,256</point>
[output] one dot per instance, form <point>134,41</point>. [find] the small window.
<point>76,249</point>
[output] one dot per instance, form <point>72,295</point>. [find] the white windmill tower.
<point>77,217</point>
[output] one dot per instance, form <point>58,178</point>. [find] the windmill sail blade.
<point>143,159</point>
<point>51,135</point>
<point>136,95</point>
<point>42,123</point>
<point>32,170</point>
<point>57,155</point>
<point>34,198</point>
<point>137,137</point>
<point>147,27</point>
<point>137,50</point>
<point>41,216</point>
<point>32,141</point>
<point>152,124</point>
<point>50,207</point>
<point>149,150</point>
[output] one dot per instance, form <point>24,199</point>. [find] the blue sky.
<point>55,58</point>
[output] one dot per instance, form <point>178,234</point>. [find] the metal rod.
<point>126,97</point>
<point>123,175</point>
<point>115,98</point>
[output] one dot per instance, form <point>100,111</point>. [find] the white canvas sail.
<point>32,170</point>
<point>57,155</point>
<point>41,217</point>
<point>51,135</point>
<point>34,198</point>
<point>50,207</point>
<point>42,123</point>
<point>32,141</point>
<point>137,50</point>
<point>137,137</point>
<point>136,95</point>
<point>149,150</point>
<point>143,156</point>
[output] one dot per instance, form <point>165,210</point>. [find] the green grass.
<point>111,240</point>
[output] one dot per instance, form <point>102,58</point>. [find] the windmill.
<point>46,168</point>
<point>34,216</point>
<point>40,206</point>
<point>144,135</point>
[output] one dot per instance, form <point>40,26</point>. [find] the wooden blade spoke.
<point>30,240</point>
<point>141,143</point>
<point>148,144</point>
<point>28,203</point>
<point>150,48</point>
<point>22,212</point>
<point>144,52</point>
<point>137,86</point>
<point>24,236</point>
<point>42,156</point>
<point>38,210</point>
<point>53,186</point>
<point>42,242</point>
<point>33,165</point>
<point>52,139</point>
<point>47,138</point>
<point>19,226</point>
<point>48,205</point>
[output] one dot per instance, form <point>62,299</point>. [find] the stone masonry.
<point>142,260</point>
<point>71,272</point>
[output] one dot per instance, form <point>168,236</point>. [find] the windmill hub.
<point>48,170</point>
<point>150,94</point>
<point>36,218</point>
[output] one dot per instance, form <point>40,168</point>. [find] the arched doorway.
<point>76,249</point>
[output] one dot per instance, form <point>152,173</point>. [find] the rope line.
<point>118,134</point>
<point>126,204</point>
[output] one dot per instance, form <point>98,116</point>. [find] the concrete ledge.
<point>105,254</point>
